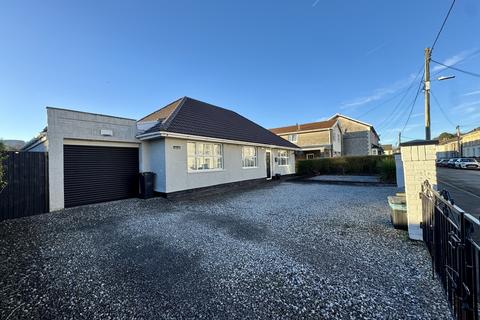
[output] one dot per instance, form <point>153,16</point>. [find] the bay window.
<point>204,156</point>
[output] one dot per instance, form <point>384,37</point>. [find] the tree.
<point>3,181</point>
<point>445,136</point>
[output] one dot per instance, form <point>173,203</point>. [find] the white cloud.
<point>379,93</point>
<point>468,107</point>
<point>459,57</point>
<point>375,49</point>
<point>472,93</point>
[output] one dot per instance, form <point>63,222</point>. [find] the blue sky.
<point>275,62</point>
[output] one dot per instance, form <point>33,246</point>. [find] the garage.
<point>95,174</point>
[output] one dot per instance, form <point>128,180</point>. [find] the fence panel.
<point>26,192</point>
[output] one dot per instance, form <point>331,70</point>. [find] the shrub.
<point>388,170</point>
<point>342,165</point>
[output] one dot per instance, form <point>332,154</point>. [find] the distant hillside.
<point>13,144</point>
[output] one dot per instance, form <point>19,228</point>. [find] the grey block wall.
<point>356,143</point>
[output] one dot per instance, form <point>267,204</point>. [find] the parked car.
<point>457,163</point>
<point>451,163</point>
<point>441,162</point>
<point>469,163</point>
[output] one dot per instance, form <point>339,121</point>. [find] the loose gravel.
<point>298,251</point>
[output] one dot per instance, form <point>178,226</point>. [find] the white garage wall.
<point>74,127</point>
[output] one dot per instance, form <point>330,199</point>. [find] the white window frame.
<point>199,155</point>
<point>293,137</point>
<point>312,156</point>
<point>283,158</point>
<point>249,157</point>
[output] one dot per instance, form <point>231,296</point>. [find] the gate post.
<point>418,158</point>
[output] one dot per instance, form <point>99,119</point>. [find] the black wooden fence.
<point>26,192</point>
<point>452,237</point>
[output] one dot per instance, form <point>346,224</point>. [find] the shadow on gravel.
<point>237,228</point>
<point>150,267</point>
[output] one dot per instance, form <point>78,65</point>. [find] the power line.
<point>443,25</point>
<point>385,121</point>
<point>441,109</point>
<point>475,53</point>
<point>383,103</point>
<point>413,105</point>
<point>457,69</point>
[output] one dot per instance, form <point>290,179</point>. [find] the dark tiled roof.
<point>198,118</point>
<point>305,127</point>
<point>162,113</point>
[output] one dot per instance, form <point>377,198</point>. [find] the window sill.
<point>283,165</point>
<point>249,168</point>
<point>205,171</point>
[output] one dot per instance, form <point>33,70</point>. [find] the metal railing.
<point>452,237</point>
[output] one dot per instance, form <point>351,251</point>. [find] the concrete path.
<point>338,179</point>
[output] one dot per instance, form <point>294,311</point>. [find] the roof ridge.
<point>172,116</point>
<point>302,124</point>
<point>168,104</point>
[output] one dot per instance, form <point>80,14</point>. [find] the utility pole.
<point>427,93</point>
<point>399,138</point>
<point>459,146</point>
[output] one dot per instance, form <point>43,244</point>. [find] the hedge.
<point>373,165</point>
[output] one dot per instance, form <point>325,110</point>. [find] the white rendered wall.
<point>178,178</point>
<point>281,169</point>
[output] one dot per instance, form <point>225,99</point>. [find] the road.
<point>464,187</point>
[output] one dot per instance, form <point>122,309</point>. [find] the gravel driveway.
<point>282,251</point>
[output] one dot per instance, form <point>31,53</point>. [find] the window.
<point>249,157</point>
<point>310,156</point>
<point>293,137</point>
<point>204,156</point>
<point>283,158</point>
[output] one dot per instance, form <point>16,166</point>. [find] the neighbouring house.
<point>448,148</point>
<point>189,145</point>
<point>316,139</point>
<point>470,143</point>
<point>359,138</point>
<point>463,145</point>
<point>338,136</point>
<point>388,149</point>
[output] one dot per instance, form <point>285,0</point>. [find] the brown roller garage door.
<point>97,174</point>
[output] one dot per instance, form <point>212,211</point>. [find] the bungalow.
<point>188,144</point>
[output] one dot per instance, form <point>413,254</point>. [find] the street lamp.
<point>445,78</point>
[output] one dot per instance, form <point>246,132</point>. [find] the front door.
<point>268,159</point>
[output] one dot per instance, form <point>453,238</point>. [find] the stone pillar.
<point>419,165</point>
